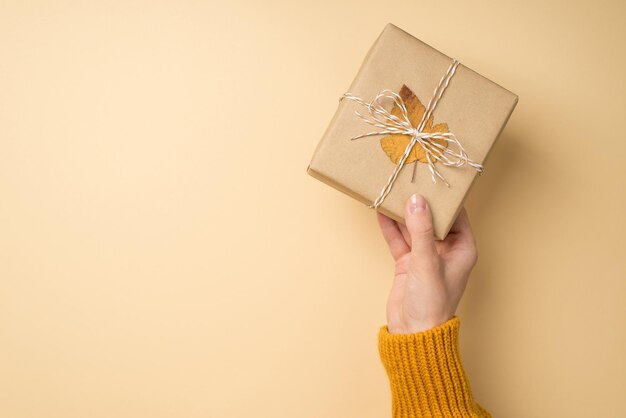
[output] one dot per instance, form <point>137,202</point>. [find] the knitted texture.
<point>426,375</point>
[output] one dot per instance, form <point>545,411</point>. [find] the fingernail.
<point>417,203</point>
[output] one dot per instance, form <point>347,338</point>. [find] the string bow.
<point>452,155</point>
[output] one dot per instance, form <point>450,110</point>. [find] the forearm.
<point>426,375</point>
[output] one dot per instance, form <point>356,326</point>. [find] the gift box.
<point>413,121</point>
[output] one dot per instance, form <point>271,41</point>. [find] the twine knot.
<point>453,155</point>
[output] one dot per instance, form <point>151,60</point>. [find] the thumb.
<point>419,223</point>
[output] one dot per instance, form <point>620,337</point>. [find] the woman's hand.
<point>430,275</point>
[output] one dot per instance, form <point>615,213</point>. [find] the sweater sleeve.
<point>426,374</point>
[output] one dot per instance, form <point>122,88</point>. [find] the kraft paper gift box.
<point>471,110</point>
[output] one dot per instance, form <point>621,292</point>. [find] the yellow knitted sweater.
<point>426,374</point>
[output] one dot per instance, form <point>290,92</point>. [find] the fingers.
<point>462,230</point>
<point>405,233</point>
<point>419,223</point>
<point>461,244</point>
<point>393,236</point>
<point>461,224</point>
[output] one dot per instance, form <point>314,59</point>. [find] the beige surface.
<point>163,252</point>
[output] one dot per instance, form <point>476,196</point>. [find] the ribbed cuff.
<point>426,374</point>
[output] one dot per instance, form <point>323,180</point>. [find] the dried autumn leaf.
<point>395,145</point>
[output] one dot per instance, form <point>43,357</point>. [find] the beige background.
<point>164,254</point>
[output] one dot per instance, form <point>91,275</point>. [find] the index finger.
<point>462,228</point>
<point>393,235</point>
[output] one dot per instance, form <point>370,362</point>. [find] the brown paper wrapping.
<point>475,109</point>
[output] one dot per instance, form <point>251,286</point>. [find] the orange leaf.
<point>395,145</point>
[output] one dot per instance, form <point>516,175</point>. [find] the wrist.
<point>415,326</point>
